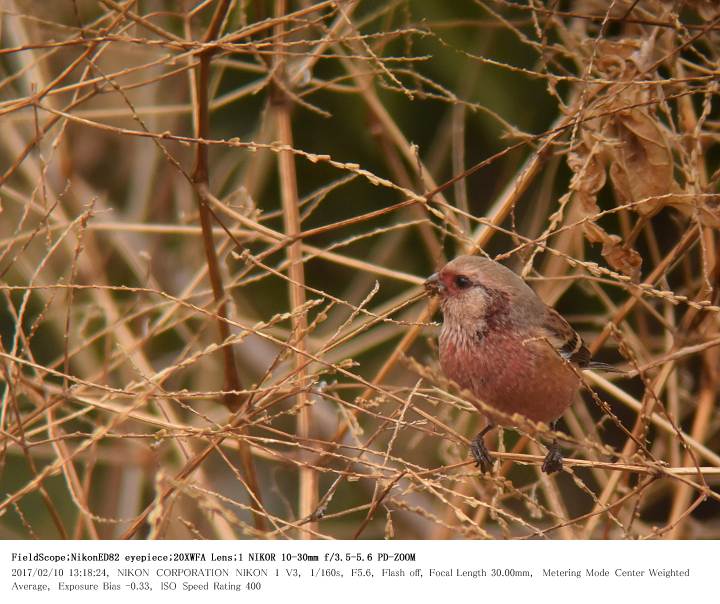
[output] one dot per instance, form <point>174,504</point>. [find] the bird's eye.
<point>462,282</point>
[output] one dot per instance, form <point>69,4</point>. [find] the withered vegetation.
<point>216,220</point>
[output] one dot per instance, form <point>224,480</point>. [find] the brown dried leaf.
<point>618,256</point>
<point>706,208</point>
<point>588,178</point>
<point>641,163</point>
<point>595,233</point>
<point>613,58</point>
<point>707,9</point>
<point>621,257</point>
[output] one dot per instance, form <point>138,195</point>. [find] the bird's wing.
<point>564,339</point>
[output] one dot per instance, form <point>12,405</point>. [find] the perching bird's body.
<point>501,342</point>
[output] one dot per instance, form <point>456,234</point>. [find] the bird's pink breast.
<point>509,373</point>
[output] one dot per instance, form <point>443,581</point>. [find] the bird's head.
<point>466,276</point>
<point>471,287</point>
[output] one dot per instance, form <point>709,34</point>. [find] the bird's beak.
<point>433,285</point>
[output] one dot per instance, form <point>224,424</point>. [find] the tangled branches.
<point>216,220</point>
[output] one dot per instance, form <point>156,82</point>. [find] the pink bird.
<point>501,342</point>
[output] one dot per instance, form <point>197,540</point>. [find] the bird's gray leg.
<point>553,459</point>
<point>479,451</point>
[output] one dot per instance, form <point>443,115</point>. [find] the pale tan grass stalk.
<point>308,479</point>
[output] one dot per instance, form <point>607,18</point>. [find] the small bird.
<point>513,352</point>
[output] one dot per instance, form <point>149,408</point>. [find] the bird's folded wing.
<point>564,339</point>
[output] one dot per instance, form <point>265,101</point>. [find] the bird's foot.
<point>553,459</point>
<point>480,453</point>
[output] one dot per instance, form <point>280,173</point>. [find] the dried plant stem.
<point>71,477</point>
<point>201,181</point>
<point>699,432</point>
<point>554,500</point>
<point>308,478</point>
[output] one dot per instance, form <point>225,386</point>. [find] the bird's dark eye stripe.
<point>462,282</point>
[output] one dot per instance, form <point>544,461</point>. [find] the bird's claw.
<point>553,460</point>
<point>480,453</point>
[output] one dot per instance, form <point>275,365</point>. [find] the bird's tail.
<point>604,367</point>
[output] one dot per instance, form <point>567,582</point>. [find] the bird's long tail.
<point>604,367</point>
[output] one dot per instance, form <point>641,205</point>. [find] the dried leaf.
<point>706,208</point>
<point>641,163</point>
<point>707,9</point>
<point>613,58</point>
<point>619,256</point>
<point>588,178</point>
<point>622,258</point>
<point>595,233</point>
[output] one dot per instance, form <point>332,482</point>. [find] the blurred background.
<point>216,220</point>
